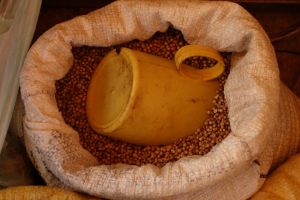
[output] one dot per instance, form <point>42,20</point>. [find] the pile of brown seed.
<point>71,94</point>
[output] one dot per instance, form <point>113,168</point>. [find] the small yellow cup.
<point>148,100</point>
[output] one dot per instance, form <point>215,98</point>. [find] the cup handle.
<point>198,50</point>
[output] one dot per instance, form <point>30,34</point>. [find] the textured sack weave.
<point>265,129</point>
<point>283,184</point>
<point>39,193</point>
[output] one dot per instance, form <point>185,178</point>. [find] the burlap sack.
<point>40,193</point>
<point>264,114</point>
<point>284,182</point>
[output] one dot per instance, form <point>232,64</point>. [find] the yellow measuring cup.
<point>149,100</point>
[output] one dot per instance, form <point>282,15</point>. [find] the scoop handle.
<point>199,50</point>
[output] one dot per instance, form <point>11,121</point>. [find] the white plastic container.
<point>17,24</point>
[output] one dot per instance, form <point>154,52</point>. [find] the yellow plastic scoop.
<point>145,99</point>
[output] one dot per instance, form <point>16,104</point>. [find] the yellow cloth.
<point>284,183</point>
<point>40,193</point>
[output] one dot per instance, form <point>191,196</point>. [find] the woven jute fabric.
<point>284,182</point>
<point>264,114</point>
<point>41,192</point>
